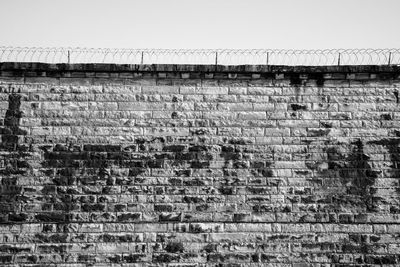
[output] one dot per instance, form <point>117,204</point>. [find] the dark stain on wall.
<point>15,163</point>
<point>358,176</point>
<point>297,107</point>
<point>295,80</point>
<point>77,170</point>
<point>74,168</point>
<point>393,146</point>
<point>349,165</point>
<point>319,79</point>
<point>396,94</point>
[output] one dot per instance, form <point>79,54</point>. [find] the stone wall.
<point>176,165</point>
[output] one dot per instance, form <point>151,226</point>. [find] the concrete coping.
<point>32,66</point>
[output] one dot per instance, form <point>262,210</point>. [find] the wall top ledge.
<point>32,66</point>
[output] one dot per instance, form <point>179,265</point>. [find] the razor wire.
<point>323,57</point>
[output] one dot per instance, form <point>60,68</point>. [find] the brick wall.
<point>128,165</point>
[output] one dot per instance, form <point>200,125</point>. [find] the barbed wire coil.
<point>317,57</point>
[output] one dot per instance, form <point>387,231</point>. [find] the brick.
<point>264,106</point>
<point>187,90</point>
<point>264,91</point>
<point>212,90</point>
<point>160,89</point>
<point>237,90</point>
<point>247,227</point>
<point>112,248</point>
<point>140,106</point>
<point>252,115</point>
<point>236,237</point>
<point>90,227</point>
<point>235,106</point>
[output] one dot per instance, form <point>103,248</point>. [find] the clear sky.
<point>300,24</point>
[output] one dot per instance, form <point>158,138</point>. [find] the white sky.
<point>301,24</point>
